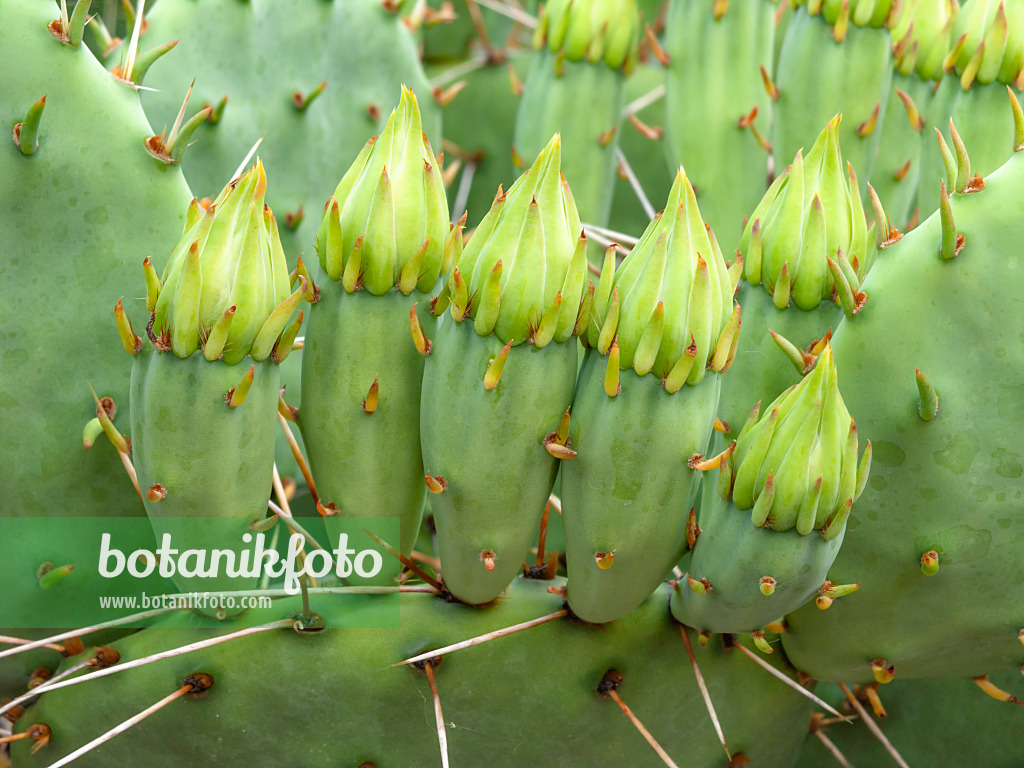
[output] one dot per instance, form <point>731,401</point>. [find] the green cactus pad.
<point>509,699</point>
<point>950,484</point>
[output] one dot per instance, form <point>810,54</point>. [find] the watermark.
<point>249,562</point>
<point>65,572</point>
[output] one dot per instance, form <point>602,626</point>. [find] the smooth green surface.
<point>488,445</point>
<point>77,218</point>
<point>333,699</point>
<point>819,78</point>
<point>952,484</point>
<point>367,464</point>
<point>714,80</point>
<point>630,491</point>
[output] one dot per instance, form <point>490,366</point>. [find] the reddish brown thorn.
<point>650,132</point>
<point>659,53</point>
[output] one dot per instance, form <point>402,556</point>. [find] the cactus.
<point>86,232</point>
<point>930,453</point>
<point>731,106</point>
<point>986,57</point>
<point>835,58</point>
<point>576,87</point>
<point>384,240</point>
<point>202,420</point>
<point>656,324</point>
<point>504,355</point>
<point>796,469</point>
<point>460,378</point>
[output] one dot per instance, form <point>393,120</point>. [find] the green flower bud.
<point>393,198</point>
<point>810,214</point>
<point>231,256</point>
<point>671,294</point>
<point>796,467</point>
<point>521,275</point>
<point>988,43</point>
<point>921,36</point>
<point>863,13</point>
<point>595,30</point>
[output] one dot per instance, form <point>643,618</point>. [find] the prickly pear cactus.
<point>796,470</point>
<point>384,241</point>
<point>804,251</point>
<point>203,422</point>
<point>546,676</point>
<point>75,232</point>
<point>938,530</point>
<point>644,409</point>
<point>504,356</point>
<point>835,58</point>
<point>719,124</point>
<point>986,58</point>
<point>576,87</point>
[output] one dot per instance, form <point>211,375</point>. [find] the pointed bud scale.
<point>671,291</point>
<point>371,399</point>
<point>393,197</point>
<point>883,671</point>
<point>952,241</point>
<point>153,284</point>
<point>930,563</point>
<point>963,160</point>
<point>236,395</point>
<point>990,43</point>
<point>435,484</point>
<point>607,31</point>
<point>495,367</point>
<point>300,271</point>
<point>583,316</point>
<point>50,577</point>
<point>548,324</point>
<point>921,33</point>
<point>810,213</point>
<point>26,133</point>
<point>612,385</point>
<point>156,493</point>
<point>680,372</point>
<point>267,337</point>
<point>214,346</point>
<point>286,341</point>
<point>726,341</point>
<point>132,343</point>
<point>760,642</point>
<point>459,296</point>
<point>289,412</point>
<point>948,160</point>
<point>611,323</point>
<point>851,301</point>
<point>93,429</point>
<point>423,344</point>
<point>802,360</point>
<point>767,586</point>
<point>332,257</point>
<point>928,405</point>
<point>697,462</point>
<point>351,278</point>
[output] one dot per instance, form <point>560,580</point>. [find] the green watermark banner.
<point>68,572</point>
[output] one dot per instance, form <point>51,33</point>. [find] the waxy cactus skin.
<point>665,319</point>
<point>384,240</point>
<point>795,474</point>
<point>505,355</point>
